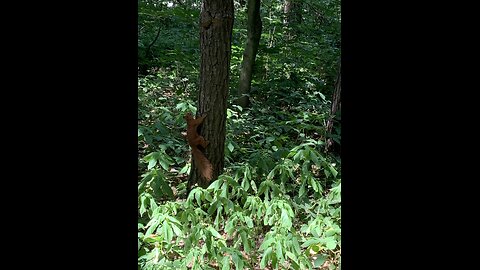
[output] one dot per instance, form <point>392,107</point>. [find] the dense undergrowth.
<point>278,203</point>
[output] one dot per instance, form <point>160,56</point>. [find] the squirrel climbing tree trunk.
<point>216,23</point>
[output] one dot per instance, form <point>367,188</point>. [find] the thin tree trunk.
<point>336,105</point>
<point>293,15</point>
<point>216,23</point>
<point>254,31</point>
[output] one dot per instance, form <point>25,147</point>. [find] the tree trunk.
<point>336,105</point>
<point>254,30</point>
<point>293,15</point>
<point>216,23</point>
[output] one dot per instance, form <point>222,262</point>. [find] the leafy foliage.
<point>278,203</point>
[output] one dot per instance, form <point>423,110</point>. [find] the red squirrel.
<point>194,139</point>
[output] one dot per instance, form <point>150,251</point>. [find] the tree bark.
<point>293,15</point>
<point>336,105</point>
<point>254,31</point>
<point>216,23</point>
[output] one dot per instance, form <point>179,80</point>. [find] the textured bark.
<point>254,31</point>
<point>336,105</point>
<point>216,22</point>
<point>293,15</point>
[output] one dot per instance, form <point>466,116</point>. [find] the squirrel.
<point>194,140</point>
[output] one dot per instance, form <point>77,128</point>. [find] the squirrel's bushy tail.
<point>202,163</point>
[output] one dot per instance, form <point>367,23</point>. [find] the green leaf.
<point>167,231</point>
<point>265,258</point>
<point>197,197</point>
<point>226,263</point>
<point>330,243</point>
<point>143,204</point>
<point>320,260</point>
<point>164,163</point>
<point>286,222</point>
<point>249,222</point>
<point>254,186</point>
<point>292,256</point>
<point>311,241</point>
<point>229,228</point>
<point>237,261</point>
<point>267,242</point>
<point>166,188</point>
<point>245,242</point>
<point>302,190</point>
<point>177,230</point>
<point>330,232</point>
<point>230,146</point>
<point>295,244</point>
<point>213,207</point>
<point>215,184</point>
<point>313,183</point>
<point>153,226</point>
<point>279,251</point>
<point>333,171</point>
<point>151,163</point>
<point>214,232</point>
<point>184,169</point>
<point>147,178</point>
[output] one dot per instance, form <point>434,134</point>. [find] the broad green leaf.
<point>230,146</point>
<point>153,226</point>
<point>167,231</point>
<point>330,232</point>
<point>177,230</point>
<point>147,178</point>
<point>164,163</point>
<point>279,251</point>
<point>237,260</point>
<point>166,188</point>
<point>286,222</point>
<point>292,256</point>
<point>289,210</point>
<point>184,169</point>
<point>265,257</point>
<point>320,260</point>
<point>197,197</point>
<point>333,171</point>
<point>213,207</point>
<point>311,241</point>
<point>229,228</point>
<point>215,184</point>
<point>249,222</point>
<point>226,263</point>
<point>143,204</point>
<point>214,232</point>
<point>267,242</point>
<point>151,163</point>
<point>298,155</point>
<point>254,186</point>
<point>330,243</point>
<point>245,242</point>
<point>295,244</point>
<point>301,190</point>
<point>173,220</point>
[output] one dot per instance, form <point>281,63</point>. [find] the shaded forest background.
<point>277,203</point>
